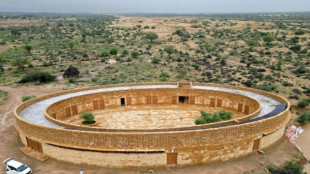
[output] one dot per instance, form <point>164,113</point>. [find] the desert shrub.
<point>268,38</point>
<point>156,60</point>
<point>213,117</point>
<point>295,48</point>
<point>297,91</point>
<point>199,121</point>
<point>25,98</point>
<point>163,79</point>
<point>266,87</point>
<point>304,118</point>
<point>287,84</point>
<point>290,167</point>
<point>3,96</point>
<point>248,83</point>
<point>72,80</point>
<point>303,103</point>
<point>38,76</point>
<point>104,54</point>
<point>113,51</point>
<point>301,70</point>
<point>88,117</point>
<point>299,32</point>
<point>124,52</point>
<point>134,54</point>
<point>118,58</point>
<point>165,74</point>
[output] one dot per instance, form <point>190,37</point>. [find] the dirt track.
<point>10,143</point>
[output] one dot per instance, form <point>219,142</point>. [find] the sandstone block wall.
<point>75,105</point>
<point>193,146</point>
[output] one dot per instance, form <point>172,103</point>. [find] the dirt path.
<point>303,142</point>
<point>10,143</point>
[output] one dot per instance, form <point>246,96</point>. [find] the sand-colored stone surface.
<point>9,146</point>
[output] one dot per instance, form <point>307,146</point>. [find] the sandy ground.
<point>303,142</point>
<point>10,143</point>
<point>149,116</point>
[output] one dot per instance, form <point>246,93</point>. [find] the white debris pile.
<point>292,133</point>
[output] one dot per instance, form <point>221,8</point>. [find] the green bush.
<point>104,54</point>
<point>72,80</point>
<point>304,118</point>
<point>303,103</point>
<point>113,51</point>
<point>41,77</point>
<point>88,117</point>
<point>290,167</point>
<point>156,60</point>
<point>165,74</point>
<point>134,54</point>
<point>3,96</point>
<point>213,117</point>
<point>248,83</point>
<point>287,84</point>
<point>299,32</point>
<point>25,98</point>
<point>266,87</point>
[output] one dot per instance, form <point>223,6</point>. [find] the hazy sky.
<point>155,6</point>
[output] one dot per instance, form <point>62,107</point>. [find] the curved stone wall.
<point>158,148</point>
<point>62,109</point>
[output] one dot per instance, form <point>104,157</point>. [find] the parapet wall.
<point>191,146</point>
<point>97,101</point>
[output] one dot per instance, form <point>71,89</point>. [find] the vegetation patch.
<point>3,97</point>
<point>213,117</point>
<point>304,118</point>
<point>290,167</point>
<point>41,77</point>
<point>88,118</point>
<point>25,98</point>
<point>303,103</point>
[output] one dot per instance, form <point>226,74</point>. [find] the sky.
<point>155,6</point>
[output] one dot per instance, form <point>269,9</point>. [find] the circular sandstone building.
<point>150,124</point>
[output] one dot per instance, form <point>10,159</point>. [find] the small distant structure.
<point>71,72</point>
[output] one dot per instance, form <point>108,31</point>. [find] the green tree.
<point>169,50</point>
<point>20,62</point>
<point>14,31</point>
<point>269,38</point>
<point>134,54</point>
<point>156,60</point>
<point>113,51</point>
<point>88,117</point>
<point>251,43</point>
<point>71,45</point>
<point>124,53</point>
<point>303,103</point>
<point>28,48</point>
<point>104,54</point>
<point>151,35</point>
